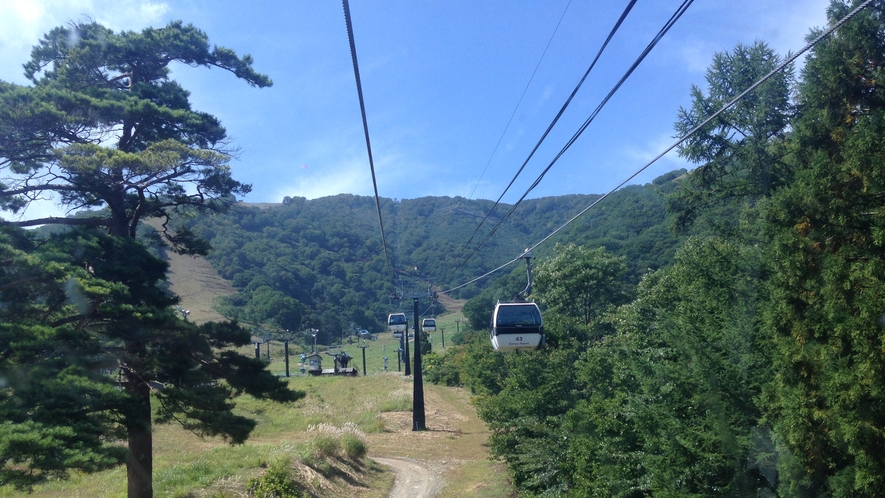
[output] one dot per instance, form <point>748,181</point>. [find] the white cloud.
<point>653,148</point>
<point>350,176</point>
<point>782,25</point>
<point>128,14</point>
<point>697,56</point>
<point>786,30</point>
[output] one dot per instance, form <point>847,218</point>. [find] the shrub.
<point>354,447</point>
<point>277,482</point>
<point>443,370</point>
<point>324,446</point>
<point>330,442</point>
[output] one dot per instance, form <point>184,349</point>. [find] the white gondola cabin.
<point>397,323</point>
<point>428,325</point>
<point>517,326</point>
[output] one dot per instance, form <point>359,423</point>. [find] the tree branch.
<point>86,222</point>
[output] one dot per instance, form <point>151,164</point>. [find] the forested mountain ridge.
<point>321,263</point>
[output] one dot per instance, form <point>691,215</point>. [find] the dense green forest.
<point>321,263</point>
<point>753,364</point>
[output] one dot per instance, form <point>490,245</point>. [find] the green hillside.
<point>321,263</point>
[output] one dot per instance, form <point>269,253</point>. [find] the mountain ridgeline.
<point>321,263</point>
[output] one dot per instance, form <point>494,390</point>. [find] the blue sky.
<point>440,80</point>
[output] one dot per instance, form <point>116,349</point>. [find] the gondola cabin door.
<point>517,326</point>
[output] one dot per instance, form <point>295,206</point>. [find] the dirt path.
<point>452,454</point>
<point>414,479</point>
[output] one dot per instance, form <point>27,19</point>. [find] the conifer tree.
<point>828,280</point>
<point>740,154</point>
<point>104,129</point>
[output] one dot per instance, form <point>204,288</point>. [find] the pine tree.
<point>103,127</point>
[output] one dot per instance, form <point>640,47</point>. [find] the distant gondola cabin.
<point>314,364</point>
<point>397,323</point>
<point>517,326</point>
<point>428,325</point>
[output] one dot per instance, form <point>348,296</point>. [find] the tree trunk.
<point>139,464</point>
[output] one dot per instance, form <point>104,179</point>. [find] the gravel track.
<point>414,479</point>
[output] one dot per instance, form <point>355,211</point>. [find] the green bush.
<point>277,482</point>
<point>354,447</point>
<point>443,370</point>
<point>323,447</point>
<point>458,338</point>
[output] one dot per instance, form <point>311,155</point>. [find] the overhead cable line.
<point>669,24</point>
<point>789,60</point>
<point>549,128</point>
<point>484,275</point>
<point>518,103</point>
<point>359,91</point>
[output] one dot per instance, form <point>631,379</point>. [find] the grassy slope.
<point>379,404</point>
<point>197,283</point>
